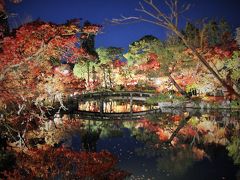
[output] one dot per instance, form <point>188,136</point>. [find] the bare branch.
<point>143,10</point>
<point>163,24</point>
<point>140,4</point>
<point>159,18</point>
<point>21,107</point>
<point>170,5</point>
<point>159,12</point>
<point>125,20</point>
<point>184,8</point>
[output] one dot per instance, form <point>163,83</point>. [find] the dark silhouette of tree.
<point>4,27</point>
<point>238,36</point>
<point>192,34</point>
<point>89,42</point>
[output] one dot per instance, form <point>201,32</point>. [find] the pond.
<point>205,145</point>
<point>168,144</point>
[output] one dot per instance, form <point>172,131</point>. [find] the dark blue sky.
<point>96,11</point>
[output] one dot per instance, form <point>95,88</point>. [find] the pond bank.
<point>199,105</point>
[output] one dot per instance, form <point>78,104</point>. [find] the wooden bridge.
<point>121,95</point>
<point>102,97</point>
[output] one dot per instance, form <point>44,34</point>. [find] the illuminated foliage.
<point>60,162</point>
<point>107,56</point>
<point>36,70</point>
<point>233,66</point>
<point>33,53</point>
<point>233,149</point>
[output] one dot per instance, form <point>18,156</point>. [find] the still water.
<point>174,144</point>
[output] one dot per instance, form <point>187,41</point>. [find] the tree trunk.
<point>180,126</point>
<point>104,77</point>
<point>88,73</point>
<point>109,76</point>
<point>180,90</point>
<point>94,74</point>
<point>206,64</point>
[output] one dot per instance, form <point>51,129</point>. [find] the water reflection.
<point>114,106</point>
<point>177,143</point>
<point>173,144</point>
<point>89,140</point>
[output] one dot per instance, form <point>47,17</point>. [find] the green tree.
<point>217,33</point>
<point>106,58</point>
<point>212,34</point>
<point>83,69</point>
<point>138,49</point>
<point>167,55</point>
<point>86,66</point>
<point>232,66</point>
<point>139,54</point>
<point>225,32</point>
<point>233,149</point>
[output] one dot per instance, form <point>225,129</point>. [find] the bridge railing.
<point>120,93</point>
<point>129,96</point>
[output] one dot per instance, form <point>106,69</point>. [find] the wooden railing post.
<point>101,104</point>
<point>131,103</point>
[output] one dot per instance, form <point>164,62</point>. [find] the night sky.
<point>96,11</point>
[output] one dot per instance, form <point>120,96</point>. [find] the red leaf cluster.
<point>91,29</point>
<point>51,162</point>
<point>156,129</point>
<point>152,63</point>
<point>26,57</point>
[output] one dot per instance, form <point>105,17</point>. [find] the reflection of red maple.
<point>52,162</point>
<point>176,117</point>
<point>188,131</point>
<point>162,134</point>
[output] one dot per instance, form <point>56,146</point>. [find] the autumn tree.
<point>231,69</point>
<point>85,70</point>
<point>141,55</point>
<point>32,73</point>
<point>154,14</point>
<point>163,57</point>
<point>48,162</point>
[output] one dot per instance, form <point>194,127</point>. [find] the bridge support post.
<point>131,103</point>
<point>101,106</point>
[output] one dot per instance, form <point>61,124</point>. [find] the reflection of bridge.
<point>102,97</point>
<point>115,116</point>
